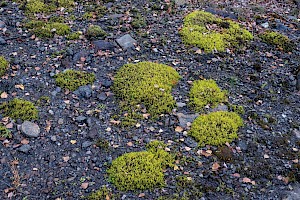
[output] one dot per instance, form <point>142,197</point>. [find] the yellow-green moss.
<point>4,132</point>
<point>101,194</point>
<point>19,109</point>
<point>278,40</point>
<point>73,36</point>
<point>210,32</point>
<point>47,30</point>
<point>140,170</point>
<point>72,79</point>
<point>206,92</point>
<point>4,64</point>
<point>38,6</point>
<point>95,31</point>
<point>216,128</point>
<point>148,84</point>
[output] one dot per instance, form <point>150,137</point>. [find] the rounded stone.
<point>30,129</point>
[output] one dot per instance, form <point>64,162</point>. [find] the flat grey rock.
<point>2,41</point>
<point>84,91</point>
<point>30,129</point>
<point>184,119</point>
<point>126,41</point>
<point>24,148</point>
<point>103,45</point>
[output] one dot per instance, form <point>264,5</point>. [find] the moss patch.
<point>206,92</point>
<point>4,64</point>
<point>73,79</point>
<point>39,6</point>
<point>94,32</point>
<point>146,83</point>
<point>276,39</point>
<point>48,29</point>
<point>102,193</point>
<point>216,128</point>
<point>140,170</point>
<point>19,109</point>
<point>209,32</point>
<point>4,132</point>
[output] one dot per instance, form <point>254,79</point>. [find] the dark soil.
<point>79,139</point>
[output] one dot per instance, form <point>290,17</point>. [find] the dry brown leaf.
<point>73,141</point>
<point>146,115</point>
<point>246,180</point>
<point>20,86</point>
<point>116,122</point>
<point>84,185</point>
<point>130,144</point>
<point>141,195</point>
<point>10,125</point>
<point>4,95</point>
<point>236,175</point>
<point>24,141</point>
<point>178,129</point>
<point>48,125</point>
<point>205,153</point>
<point>215,166</point>
<point>66,158</point>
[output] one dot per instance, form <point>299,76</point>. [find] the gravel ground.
<point>64,162</point>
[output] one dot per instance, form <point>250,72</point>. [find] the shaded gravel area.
<point>77,140</point>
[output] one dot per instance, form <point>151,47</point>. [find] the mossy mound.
<point>73,79</point>
<point>39,6</point>
<point>102,193</point>
<point>94,32</point>
<point>48,29</point>
<point>206,92</point>
<point>4,64</point>
<point>4,132</point>
<point>216,128</point>
<point>146,83</point>
<point>276,39</point>
<point>209,32</point>
<point>140,170</point>
<point>19,109</point>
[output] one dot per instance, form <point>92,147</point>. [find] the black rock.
<point>84,91</point>
<point>24,148</point>
<point>103,45</point>
<point>80,118</point>
<point>2,41</point>
<point>107,83</point>
<point>102,96</point>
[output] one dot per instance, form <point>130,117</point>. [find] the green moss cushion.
<point>146,83</point>
<point>3,65</point>
<point>19,109</point>
<point>209,32</point>
<point>216,128</point>
<point>73,79</point>
<point>278,40</point>
<point>205,92</point>
<point>141,170</point>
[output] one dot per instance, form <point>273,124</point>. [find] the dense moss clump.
<point>216,128</point>
<point>48,29</point>
<point>210,32</point>
<point>146,83</point>
<point>4,132</point>
<point>19,109</point>
<point>95,31</point>
<point>140,170</point>
<point>102,193</point>
<point>39,6</point>
<point>206,92</point>
<point>73,79</point>
<point>4,64</point>
<point>276,39</point>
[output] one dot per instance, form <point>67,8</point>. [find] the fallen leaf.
<point>141,195</point>
<point>48,125</point>
<point>84,185</point>
<point>20,87</point>
<point>73,141</point>
<point>246,180</point>
<point>130,144</point>
<point>236,175</point>
<point>204,153</point>
<point>178,129</point>
<point>187,148</point>
<point>215,166</point>
<point>146,115</point>
<point>24,141</point>
<point>176,167</point>
<point>10,125</point>
<point>266,156</point>
<point>4,95</point>
<point>66,158</point>
<point>116,122</point>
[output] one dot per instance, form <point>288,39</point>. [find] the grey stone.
<point>103,45</point>
<point>243,145</point>
<point>60,121</point>
<point>265,25</point>
<point>86,144</point>
<point>2,24</point>
<point>107,83</point>
<point>24,148</point>
<point>296,133</point>
<point>190,142</point>
<point>84,91</point>
<point>220,108</point>
<point>126,41</point>
<point>298,80</point>
<point>30,129</point>
<point>53,138</point>
<point>281,27</point>
<point>80,118</point>
<point>102,96</point>
<point>180,104</point>
<point>295,194</point>
<point>2,41</point>
<point>184,119</point>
